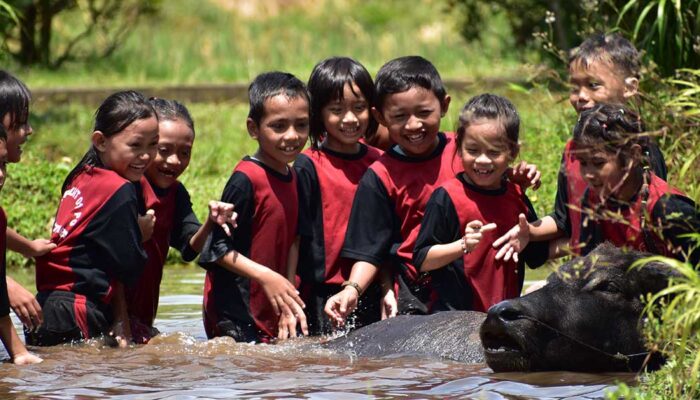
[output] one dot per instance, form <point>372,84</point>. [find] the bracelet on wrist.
<point>465,249</point>
<point>354,285</point>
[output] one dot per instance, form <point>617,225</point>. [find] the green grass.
<point>217,41</point>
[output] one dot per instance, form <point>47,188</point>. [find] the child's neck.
<point>339,147</point>
<point>631,186</point>
<point>275,165</point>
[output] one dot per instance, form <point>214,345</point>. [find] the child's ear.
<point>445,105</point>
<point>253,130</point>
<point>631,87</point>
<point>99,141</point>
<point>378,116</point>
<point>637,154</point>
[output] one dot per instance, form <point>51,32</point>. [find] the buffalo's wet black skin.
<point>452,335</point>
<point>586,318</point>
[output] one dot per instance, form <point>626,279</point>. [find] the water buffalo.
<point>587,318</point>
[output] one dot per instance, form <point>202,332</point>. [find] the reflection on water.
<point>182,364</point>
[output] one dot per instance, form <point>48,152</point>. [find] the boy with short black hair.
<point>391,197</point>
<point>14,346</point>
<point>246,294</point>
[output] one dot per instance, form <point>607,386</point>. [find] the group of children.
<point>432,221</point>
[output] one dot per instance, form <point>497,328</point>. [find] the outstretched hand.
<point>26,358</point>
<point>222,214</point>
<point>525,175</point>
<point>473,233</point>
<point>24,304</point>
<point>341,304</point>
<point>514,241</point>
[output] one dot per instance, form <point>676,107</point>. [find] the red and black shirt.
<point>267,206</point>
<point>477,280</point>
<point>571,187</point>
<point>97,235</point>
<point>175,225</point>
<point>327,182</point>
<point>667,214</point>
<point>4,300</point>
<point>389,205</point>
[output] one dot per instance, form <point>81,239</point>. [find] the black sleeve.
<point>239,192</point>
<point>535,253</point>
<point>309,194</point>
<point>561,201</point>
<point>678,216</point>
<point>115,236</point>
<point>373,226</point>
<point>656,160</point>
<point>440,225</point>
<point>185,225</point>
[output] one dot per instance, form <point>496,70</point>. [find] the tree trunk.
<point>47,14</point>
<point>27,53</point>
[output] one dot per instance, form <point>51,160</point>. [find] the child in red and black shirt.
<point>467,213</point>
<point>176,225</point>
<point>101,223</point>
<point>246,294</point>
<point>342,93</point>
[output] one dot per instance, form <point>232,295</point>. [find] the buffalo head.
<point>586,318</point>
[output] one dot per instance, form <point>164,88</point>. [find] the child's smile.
<point>346,120</point>
<point>486,153</point>
<point>174,150</point>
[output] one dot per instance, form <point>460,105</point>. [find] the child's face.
<point>600,82</point>
<point>3,162</point>
<point>129,152</point>
<point>413,119</point>
<point>486,153</point>
<point>175,141</point>
<point>282,131</point>
<point>346,120</point>
<point>15,138</point>
<point>601,170</point>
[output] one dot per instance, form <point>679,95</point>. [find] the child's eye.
<point>494,153</point>
<point>424,113</point>
<point>594,85</point>
<point>335,110</point>
<point>360,107</point>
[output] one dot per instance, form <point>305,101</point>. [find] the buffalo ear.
<point>653,276</point>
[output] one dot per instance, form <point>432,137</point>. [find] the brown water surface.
<point>182,364</point>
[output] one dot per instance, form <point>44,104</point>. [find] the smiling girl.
<point>466,214</point>
<point>97,229</point>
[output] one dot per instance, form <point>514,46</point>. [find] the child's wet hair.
<point>489,106</point>
<point>271,84</point>
<point>404,73</point>
<point>172,110</point>
<point>326,84</point>
<point>612,48</point>
<point>115,114</point>
<point>14,100</point>
<point>613,127</point>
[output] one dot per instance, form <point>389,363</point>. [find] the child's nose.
<point>349,117</point>
<point>413,123</point>
<point>173,159</point>
<point>29,130</point>
<point>483,159</point>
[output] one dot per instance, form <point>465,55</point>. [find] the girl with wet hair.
<point>625,202</point>
<point>104,216</point>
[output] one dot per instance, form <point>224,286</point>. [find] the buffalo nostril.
<point>505,311</point>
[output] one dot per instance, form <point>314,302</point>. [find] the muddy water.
<point>181,364</point>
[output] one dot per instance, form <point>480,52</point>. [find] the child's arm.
<point>440,255</point>
<point>26,247</point>
<point>389,305</point>
<point>24,304</point>
<point>15,347</point>
<point>341,304</point>
<point>279,291</point>
<point>220,214</point>
<point>287,326</point>
<point>121,329</point>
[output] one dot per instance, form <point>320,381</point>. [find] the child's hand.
<point>514,241</point>
<point>26,358</point>
<point>525,175</point>
<point>24,304</point>
<point>284,297</point>
<point>222,214</point>
<point>473,234</point>
<point>341,304</point>
<point>39,247</point>
<point>389,305</point>
<point>146,224</point>
<point>287,327</point>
